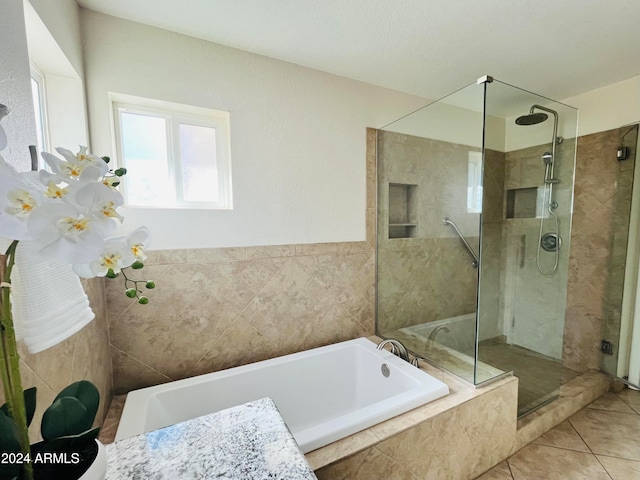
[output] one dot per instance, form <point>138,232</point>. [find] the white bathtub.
<point>323,394</point>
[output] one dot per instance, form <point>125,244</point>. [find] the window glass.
<point>144,151</point>
<point>199,165</point>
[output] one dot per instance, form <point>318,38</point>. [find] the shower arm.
<point>554,141</point>
<point>451,223</point>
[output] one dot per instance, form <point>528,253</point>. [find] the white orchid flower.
<point>66,233</point>
<point>18,201</point>
<point>115,256</point>
<point>100,201</point>
<point>138,241</point>
<point>88,170</point>
<point>83,157</point>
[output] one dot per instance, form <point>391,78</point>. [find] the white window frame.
<point>175,114</point>
<point>38,76</point>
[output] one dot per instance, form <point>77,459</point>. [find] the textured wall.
<point>15,87</point>
<point>591,236</point>
<point>534,304</point>
<point>219,308</point>
<point>297,134</point>
<point>416,276</point>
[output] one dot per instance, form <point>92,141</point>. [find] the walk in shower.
<point>475,197</point>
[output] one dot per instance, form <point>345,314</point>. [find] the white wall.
<point>608,107</point>
<point>66,112</point>
<point>62,18</point>
<point>15,88</point>
<point>297,134</point>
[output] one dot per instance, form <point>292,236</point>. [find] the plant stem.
<point>10,360</point>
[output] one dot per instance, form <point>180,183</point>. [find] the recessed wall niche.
<point>522,202</point>
<point>402,210</point>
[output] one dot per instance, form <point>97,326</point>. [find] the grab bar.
<point>451,223</point>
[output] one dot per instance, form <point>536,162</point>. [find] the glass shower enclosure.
<point>475,196</point>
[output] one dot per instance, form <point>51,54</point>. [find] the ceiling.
<point>557,48</point>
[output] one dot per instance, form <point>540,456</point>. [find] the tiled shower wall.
<point>534,304</point>
<point>83,356</point>
<point>596,184</point>
<point>416,275</point>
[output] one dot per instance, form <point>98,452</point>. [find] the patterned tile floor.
<point>600,442</point>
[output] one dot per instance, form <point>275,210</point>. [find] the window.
<point>474,183</point>
<point>39,107</point>
<point>176,155</point>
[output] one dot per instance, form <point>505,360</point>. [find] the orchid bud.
<point>106,159</point>
<point>111,274</point>
<point>137,265</point>
<point>131,292</point>
<point>143,300</point>
<point>150,284</point>
<point>120,172</point>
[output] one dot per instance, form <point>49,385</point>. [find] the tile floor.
<point>600,442</point>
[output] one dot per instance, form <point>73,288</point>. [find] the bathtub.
<point>323,394</point>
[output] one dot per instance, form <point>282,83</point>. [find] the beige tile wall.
<point>218,308</point>
<point>618,249</point>
<point>591,234</point>
<point>460,442</point>
<point>416,275</point>
<point>83,356</point>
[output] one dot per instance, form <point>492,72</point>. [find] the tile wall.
<point>217,308</point>
<point>595,192</point>
<point>416,275</point>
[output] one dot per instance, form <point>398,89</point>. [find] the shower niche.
<point>507,315</point>
<point>402,210</point>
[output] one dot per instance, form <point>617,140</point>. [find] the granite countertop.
<point>245,442</point>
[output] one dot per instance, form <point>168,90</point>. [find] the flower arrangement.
<point>70,213</point>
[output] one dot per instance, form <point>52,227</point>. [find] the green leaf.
<point>29,403</point>
<point>71,443</point>
<point>87,393</point>
<point>9,444</point>
<point>65,416</point>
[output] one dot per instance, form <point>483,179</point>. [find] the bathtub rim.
<point>133,419</point>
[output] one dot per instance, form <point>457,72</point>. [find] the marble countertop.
<point>245,442</point>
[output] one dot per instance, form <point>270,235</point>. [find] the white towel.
<point>49,303</point>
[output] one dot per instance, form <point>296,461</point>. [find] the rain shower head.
<point>532,118</point>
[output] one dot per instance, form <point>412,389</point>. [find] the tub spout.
<point>435,331</point>
<point>397,348</point>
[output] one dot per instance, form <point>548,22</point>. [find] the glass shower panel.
<point>529,160</point>
<point>429,204</point>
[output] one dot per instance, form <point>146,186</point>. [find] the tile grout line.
<point>240,314</point>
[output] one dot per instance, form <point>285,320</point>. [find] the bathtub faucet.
<point>398,349</point>
<point>435,331</point>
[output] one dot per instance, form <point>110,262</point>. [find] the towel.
<point>49,303</point>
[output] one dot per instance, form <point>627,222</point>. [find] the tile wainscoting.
<point>222,307</point>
